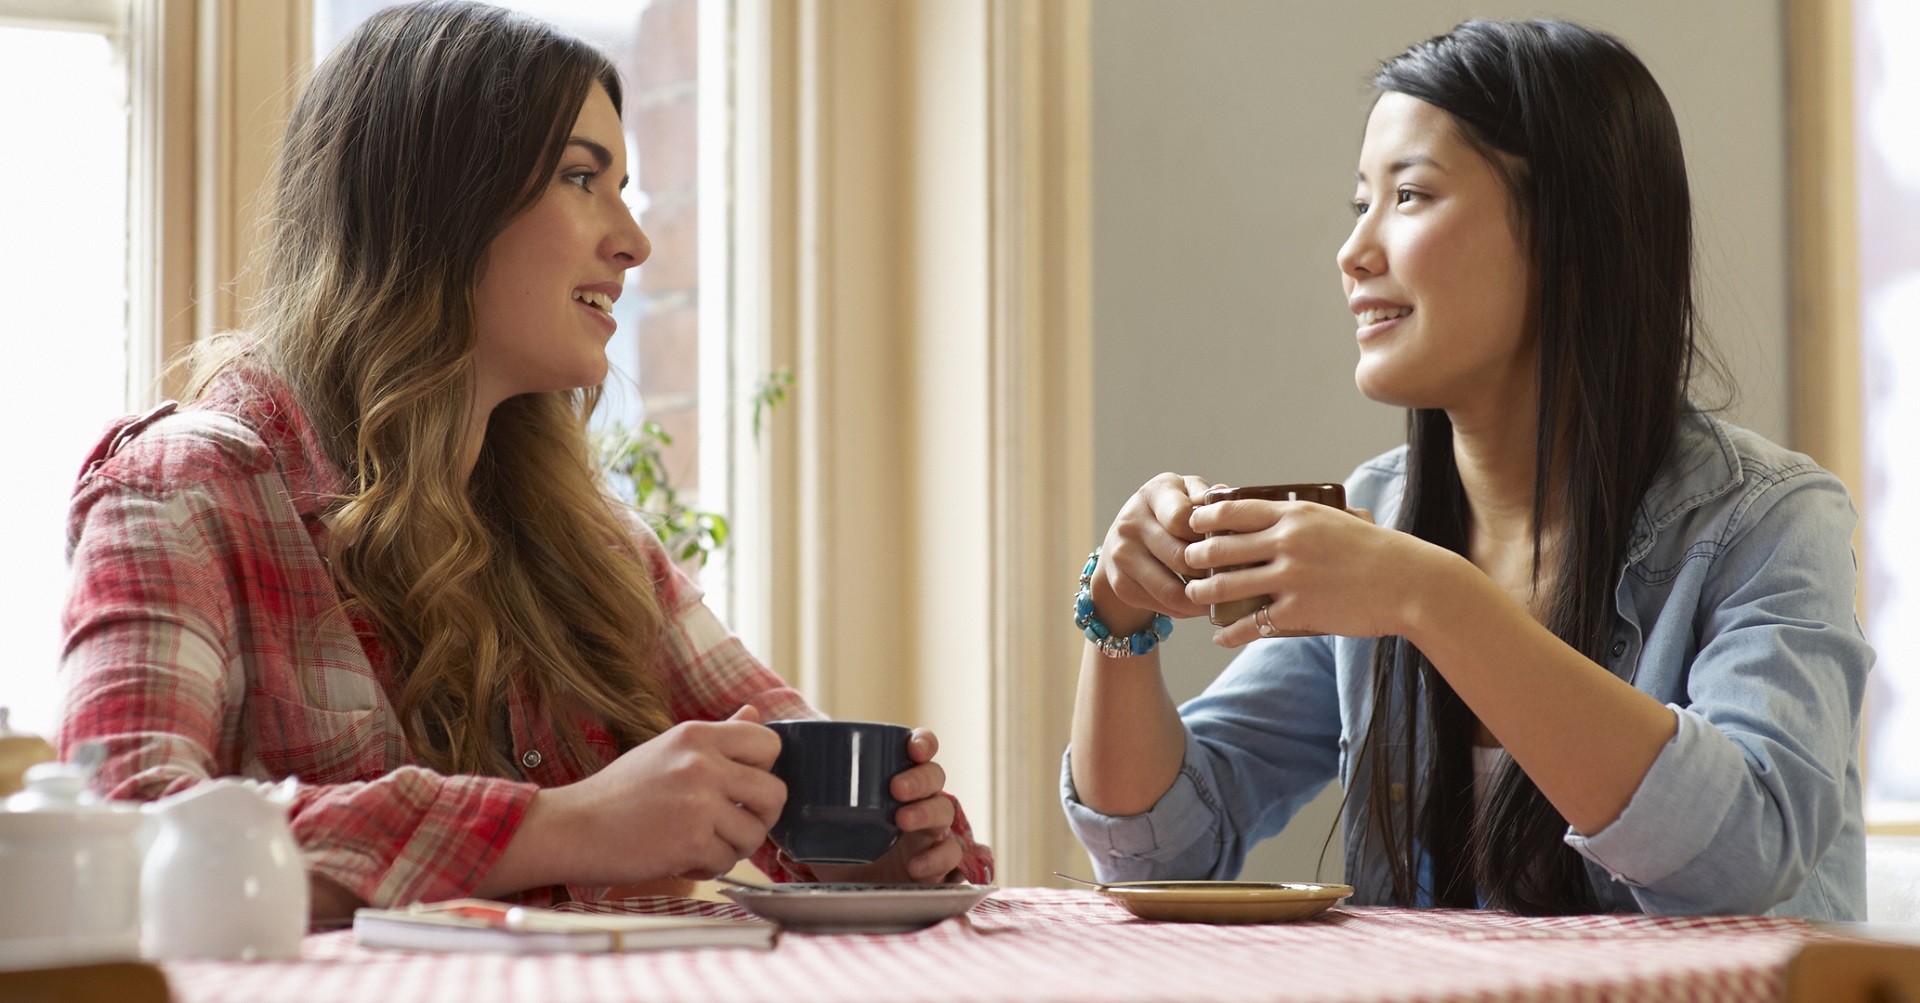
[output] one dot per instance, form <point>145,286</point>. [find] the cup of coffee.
<point>839,776</point>
<point>1222,614</point>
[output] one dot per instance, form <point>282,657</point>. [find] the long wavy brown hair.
<point>428,130</point>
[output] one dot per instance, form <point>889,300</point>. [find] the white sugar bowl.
<point>70,865</point>
<point>224,877</point>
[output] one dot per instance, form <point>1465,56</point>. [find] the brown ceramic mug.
<point>1222,614</point>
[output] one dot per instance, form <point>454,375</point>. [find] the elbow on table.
<point>1790,877</point>
<point>1754,898</point>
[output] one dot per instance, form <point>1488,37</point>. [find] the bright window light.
<point>63,298</point>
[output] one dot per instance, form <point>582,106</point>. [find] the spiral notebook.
<point>483,925</point>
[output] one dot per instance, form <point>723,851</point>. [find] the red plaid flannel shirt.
<point>204,638</point>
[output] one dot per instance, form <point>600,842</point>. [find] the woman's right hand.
<point>692,802</point>
<point>1143,567</point>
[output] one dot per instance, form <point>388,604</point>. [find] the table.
<point>1039,944</point>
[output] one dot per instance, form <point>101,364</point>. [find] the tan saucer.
<point>1225,901</point>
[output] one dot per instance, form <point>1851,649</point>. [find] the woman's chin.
<point>1381,388</point>
<point>589,373</point>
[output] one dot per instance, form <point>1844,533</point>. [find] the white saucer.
<point>858,908</point>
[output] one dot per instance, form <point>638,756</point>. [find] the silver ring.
<point>1266,625</point>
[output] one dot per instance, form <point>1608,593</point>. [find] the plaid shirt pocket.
<point>317,744</point>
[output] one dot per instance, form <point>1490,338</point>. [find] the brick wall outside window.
<point>661,113</point>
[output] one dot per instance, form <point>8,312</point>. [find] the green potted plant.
<point>635,456</point>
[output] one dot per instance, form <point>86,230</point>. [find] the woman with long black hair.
<point>1599,651</point>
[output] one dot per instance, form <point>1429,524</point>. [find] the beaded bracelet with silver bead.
<point>1110,644</point>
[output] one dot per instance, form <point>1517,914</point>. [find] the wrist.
<point>533,857</point>
<point>1118,616</point>
<point>1105,639</point>
<point>1432,594</point>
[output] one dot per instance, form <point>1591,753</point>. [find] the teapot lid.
<point>57,805</point>
<point>56,786</point>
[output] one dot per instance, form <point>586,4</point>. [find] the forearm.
<point>1585,736</point>
<point>544,850</point>
<point>1128,740</point>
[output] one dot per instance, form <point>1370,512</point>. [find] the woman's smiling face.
<point>1437,273</point>
<point>548,281</point>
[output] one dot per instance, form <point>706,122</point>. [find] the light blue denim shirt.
<point>1735,608</point>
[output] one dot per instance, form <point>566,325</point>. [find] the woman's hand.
<point>926,851</point>
<point>1327,570</point>
<point>1143,566</point>
<point>692,801</point>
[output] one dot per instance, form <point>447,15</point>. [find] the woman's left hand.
<point>926,852</point>
<point>1328,571</point>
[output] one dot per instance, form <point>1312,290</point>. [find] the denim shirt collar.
<point>1703,467</point>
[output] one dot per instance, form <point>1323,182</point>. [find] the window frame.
<point>160,48</point>
<point>918,249</point>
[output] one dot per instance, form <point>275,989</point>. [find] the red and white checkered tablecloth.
<point>1038,944</point>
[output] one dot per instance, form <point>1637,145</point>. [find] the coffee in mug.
<point>1222,614</point>
<point>839,777</point>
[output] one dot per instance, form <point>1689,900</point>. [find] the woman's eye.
<point>1359,208</point>
<point>1404,196</point>
<point>581,178</point>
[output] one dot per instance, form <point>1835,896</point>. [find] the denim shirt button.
<point>1619,648</point>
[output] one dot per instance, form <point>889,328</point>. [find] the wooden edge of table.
<point>120,981</point>
<point>1839,971</point>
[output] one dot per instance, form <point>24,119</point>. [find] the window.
<point>1887,85</point>
<point>63,292</point>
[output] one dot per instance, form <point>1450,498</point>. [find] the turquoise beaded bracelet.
<point>1111,645</point>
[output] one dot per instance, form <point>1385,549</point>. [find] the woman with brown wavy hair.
<point>374,552</point>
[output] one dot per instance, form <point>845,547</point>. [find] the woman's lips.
<point>1380,327</point>
<point>600,316</point>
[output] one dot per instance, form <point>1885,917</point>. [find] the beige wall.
<point>1224,137</point>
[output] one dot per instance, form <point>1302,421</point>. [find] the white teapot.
<point>223,877</point>
<point>70,868</point>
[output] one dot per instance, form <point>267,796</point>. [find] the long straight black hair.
<point>1593,166</point>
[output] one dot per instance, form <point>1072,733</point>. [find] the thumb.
<point>748,713</point>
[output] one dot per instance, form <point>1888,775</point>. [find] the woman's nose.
<point>628,244</point>
<point>1360,256</point>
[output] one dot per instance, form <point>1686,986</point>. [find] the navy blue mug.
<point>839,775</point>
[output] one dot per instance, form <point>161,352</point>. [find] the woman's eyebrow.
<point>1410,160</point>
<point>599,153</point>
